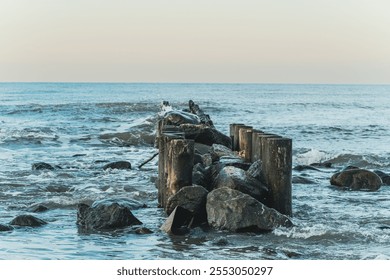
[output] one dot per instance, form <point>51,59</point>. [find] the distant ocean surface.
<point>81,126</point>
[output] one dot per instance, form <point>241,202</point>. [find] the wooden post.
<point>255,144</point>
<point>179,164</point>
<point>277,159</point>
<point>236,137</point>
<point>232,133</point>
<point>165,134</point>
<point>245,142</point>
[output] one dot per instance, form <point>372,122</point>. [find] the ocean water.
<point>81,127</point>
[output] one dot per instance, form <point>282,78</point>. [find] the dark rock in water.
<point>79,155</point>
<point>357,179</point>
<point>204,134</point>
<point>305,167</point>
<point>105,217</point>
<point>178,222</point>
<point>57,188</point>
<point>255,169</point>
<point>5,227</point>
<point>302,180</point>
<point>236,178</point>
<point>143,230</point>
<point>118,165</point>
<point>384,176</point>
<point>235,211</point>
<point>37,208</point>
<point>191,198</point>
<point>322,164</point>
<point>27,221</point>
<point>42,166</point>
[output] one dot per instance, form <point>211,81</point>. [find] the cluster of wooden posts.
<point>275,153</point>
<point>176,155</point>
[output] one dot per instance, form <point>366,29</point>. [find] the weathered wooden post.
<point>245,142</point>
<point>233,133</point>
<point>255,144</point>
<point>236,136</point>
<point>165,133</point>
<point>178,165</point>
<point>277,159</point>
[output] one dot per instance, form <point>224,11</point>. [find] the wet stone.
<point>42,166</point>
<point>105,217</point>
<point>124,165</point>
<point>27,221</point>
<point>37,208</point>
<point>357,179</point>
<point>5,228</point>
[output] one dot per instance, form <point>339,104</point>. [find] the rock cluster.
<point>227,193</point>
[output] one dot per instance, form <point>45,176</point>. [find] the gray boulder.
<point>232,210</point>
<point>237,179</point>
<point>218,151</point>
<point>105,216</point>
<point>27,221</point>
<point>192,198</point>
<point>357,179</point>
<point>255,169</point>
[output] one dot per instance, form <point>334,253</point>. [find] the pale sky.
<point>257,41</point>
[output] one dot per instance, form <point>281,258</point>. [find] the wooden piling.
<point>245,142</point>
<point>277,160</point>
<point>255,144</point>
<point>236,136</point>
<point>178,165</point>
<point>233,133</point>
<point>165,134</point>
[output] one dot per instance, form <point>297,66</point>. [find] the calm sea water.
<point>80,127</point>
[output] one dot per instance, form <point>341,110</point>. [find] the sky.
<point>221,41</point>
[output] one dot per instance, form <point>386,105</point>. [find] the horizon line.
<point>190,83</point>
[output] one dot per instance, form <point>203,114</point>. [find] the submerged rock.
<point>42,166</point>
<point>37,208</point>
<point>125,165</point>
<point>105,217</point>
<point>27,221</point>
<point>357,179</point>
<point>235,211</point>
<point>305,167</point>
<point>302,180</point>
<point>5,228</point>
<point>143,230</point>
